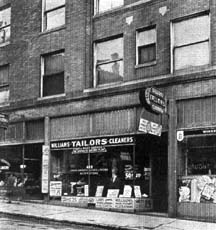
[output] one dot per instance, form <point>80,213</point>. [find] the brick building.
<point>71,73</point>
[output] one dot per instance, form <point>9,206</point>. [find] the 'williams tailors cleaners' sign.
<point>92,144</point>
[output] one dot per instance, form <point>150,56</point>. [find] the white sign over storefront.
<point>150,127</point>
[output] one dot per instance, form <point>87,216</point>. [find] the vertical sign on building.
<point>45,169</point>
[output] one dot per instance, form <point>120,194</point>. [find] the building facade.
<point>71,73</point>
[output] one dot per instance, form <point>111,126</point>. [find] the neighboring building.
<point>70,76</point>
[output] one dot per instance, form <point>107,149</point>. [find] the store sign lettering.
<point>153,100</point>
<point>72,144</point>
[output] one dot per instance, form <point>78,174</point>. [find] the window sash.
<point>147,50</point>
<point>108,5</point>
<point>192,30</point>
<point>4,75</point>
<point>191,55</point>
<point>52,8</point>
<point>5,23</point>
<point>109,51</point>
<point>110,72</point>
<point>53,84</point>
<point>146,37</point>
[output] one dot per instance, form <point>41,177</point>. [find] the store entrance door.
<point>159,162</point>
<point>151,161</point>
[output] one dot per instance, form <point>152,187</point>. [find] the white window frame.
<point>95,80</point>
<point>172,42</point>
<point>1,9</point>
<point>44,17</point>
<point>96,7</point>
<point>137,51</point>
<point>42,78</point>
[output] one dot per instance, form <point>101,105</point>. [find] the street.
<point>19,224</point>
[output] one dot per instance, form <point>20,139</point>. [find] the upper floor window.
<point>52,74</point>
<point>4,81</point>
<point>191,42</point>
<point>5,22</point>
<point>104,5</point>
<point>146,46</point>
<point>54,14</point>
<point>109,61</point>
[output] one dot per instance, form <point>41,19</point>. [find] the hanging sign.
<point>150,127</point>
<point>153,100</point>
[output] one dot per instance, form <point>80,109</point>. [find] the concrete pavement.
<point>105,219</point>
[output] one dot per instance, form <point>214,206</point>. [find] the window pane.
<point>193,55</point>
<point>4,74</point>
<point>5,17</point>
<point>105,5</point>
<point>146,37</point>
<point>147,53</point>
<point>111,72</point>
<point>192,30</point>
<point>4,96</point>
<point>50,4</point>
<point>5,34</point>
<point>53,85</point>
<point>109,50</point>
<point>117,3</point>
<point>55,18</point>
<point>54,63</point>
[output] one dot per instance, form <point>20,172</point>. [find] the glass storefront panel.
<point>197,182</point>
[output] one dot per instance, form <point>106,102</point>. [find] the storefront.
<point>197,180</point>
<point>123,173</point>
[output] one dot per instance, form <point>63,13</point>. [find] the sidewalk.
<point>89,217</point>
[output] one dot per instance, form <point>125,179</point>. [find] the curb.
<point>66,223</point>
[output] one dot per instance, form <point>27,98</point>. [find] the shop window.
<point>109,61</point>
<point>191,42</point>
<point>54,14</point>
<point>198,167</point>
<point>146,46</point>
<point>105,5</point>
<point>5,25</point>
<point>53,74</point>
<point>81,174</point>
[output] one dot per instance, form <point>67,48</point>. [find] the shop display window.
<point>95,174</point>
<point>198,168</point>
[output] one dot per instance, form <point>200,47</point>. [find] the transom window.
<point>191,42</point>
<point>146,46</point>
<point>53,74</point>
<point>105,5</point>
<point>54,14</point>
<point>5,25</point>
<point>109,61</point>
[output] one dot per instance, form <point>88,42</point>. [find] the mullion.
<point>190,44</point>
<point>3,27</point>
<point>53,9</point>
<point>108,62</point>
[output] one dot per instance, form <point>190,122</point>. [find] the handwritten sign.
<point>137,191</point>
<point>127,191</point>
<point>55,188</point>
<point>99,191</point>
<point>112,193</point>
